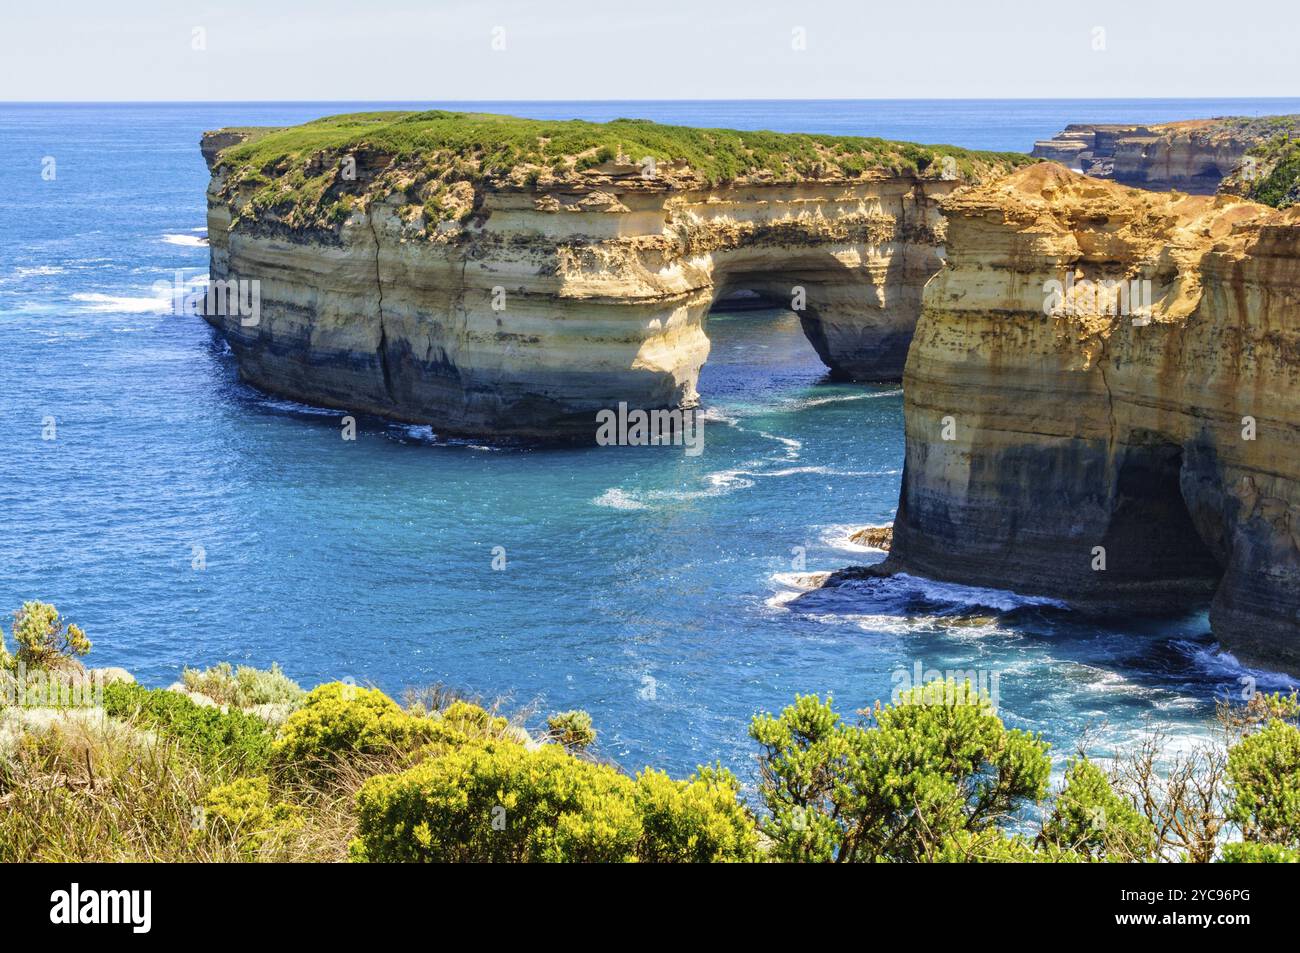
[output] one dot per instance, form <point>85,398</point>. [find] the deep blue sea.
<point>655,589</point>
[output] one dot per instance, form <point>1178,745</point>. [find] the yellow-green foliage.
<point>242,812</point>
<point>572,729</point>
<point>337,720</point>
<point>243,687</point>
<point>1247,852</point>
<point>500,801</point>
<point>937,765</point>
<point>697,820</point>
<point>43,637</point>
<point>1264,772</point>
<point>1091,818</point>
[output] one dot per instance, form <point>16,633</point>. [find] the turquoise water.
<point>657,590</point>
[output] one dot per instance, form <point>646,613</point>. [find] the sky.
<point>658,49</point>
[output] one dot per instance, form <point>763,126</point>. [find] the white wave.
<point>802,581</point>
<point>720,483</point>
<point>908,587</point>
<point>122,304</point>
<point>803,403</point>
<point>292,406</point>
<point>617,499</point>
<point>1001,600</point>
<point>1222,664</point>
<point>716,415</point>
<point>840,536</point>
<point>188,241</point>
<point>792,446</point>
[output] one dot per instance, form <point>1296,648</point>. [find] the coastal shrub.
<point>243,813</point>
<point>993,846</point>
<point>43,638</point>
<point>335,720</point>
<point>936,764</point>
<point>243,687</point>
<point>338,720</point>
<point>1264,781</point>
<point>232,738</point>
<point>1239,852</point>
<point>1090,818</point>
<point>698,820</point>
<point>498,801</point>
<point>572,729</point>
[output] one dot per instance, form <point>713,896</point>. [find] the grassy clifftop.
<point>426,153</point>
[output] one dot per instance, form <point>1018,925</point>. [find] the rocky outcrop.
<point>1193,156</point>
<point>521,305</point>
<point>1145,460</point>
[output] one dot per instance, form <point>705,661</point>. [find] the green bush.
<point>242,812</point>
<point>697,820</point>
<point>1249,853</point>
<point>1264,776</point>
<point>43,638</point>
<point>336,721</point>
<point>572,729</point>
<point>993,846</point>
<point>233,738</point>
<point>497,801</point>
<point>243,687</point>
<point>935,765</point>
<point>1090,818</point>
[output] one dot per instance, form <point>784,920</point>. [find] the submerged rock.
<point>877,537</point>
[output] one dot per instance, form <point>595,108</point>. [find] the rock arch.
<point>603,292</point>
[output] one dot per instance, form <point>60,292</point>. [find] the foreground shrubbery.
<point>208,773</point>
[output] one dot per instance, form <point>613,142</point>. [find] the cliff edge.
<point>1193,156</point>
<point>1102,404</point>
<point>499,276</point>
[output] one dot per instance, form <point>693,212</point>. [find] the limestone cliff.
<point>1128,461</point>
<point>494,276</point>
<point>1193,156</point>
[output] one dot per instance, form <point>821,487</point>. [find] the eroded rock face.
<point>1193,156</point>
<point>1168,444</point>
<point>544,306</point>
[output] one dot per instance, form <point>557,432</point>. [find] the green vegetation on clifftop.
<point>425,153</point>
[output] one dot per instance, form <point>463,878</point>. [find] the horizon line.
<point>779,99</point>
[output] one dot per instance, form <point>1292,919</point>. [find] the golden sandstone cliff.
<point>1193,155</point>
<point>509,304</point>
<point>1129,461</point>
<point>1102,392</point>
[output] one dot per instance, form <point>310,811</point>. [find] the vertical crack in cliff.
<point>1110,396</point>
<point>385,371</point>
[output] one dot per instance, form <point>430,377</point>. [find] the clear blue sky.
<point>659,49</point>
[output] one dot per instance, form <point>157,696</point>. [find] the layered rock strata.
<point>1145,460</point>
<point>1194,156</point>
<point>521,305</point>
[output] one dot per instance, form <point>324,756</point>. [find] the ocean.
<point>184,518</point>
